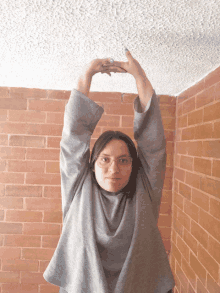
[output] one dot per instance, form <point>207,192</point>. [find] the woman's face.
<point>113,177</point>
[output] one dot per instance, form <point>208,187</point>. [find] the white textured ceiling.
<point>44,43</point>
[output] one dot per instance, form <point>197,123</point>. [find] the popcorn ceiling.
<point>45,43</point>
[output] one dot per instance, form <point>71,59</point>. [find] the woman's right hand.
<point>103,66</point>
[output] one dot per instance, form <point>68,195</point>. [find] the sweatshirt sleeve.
<point>80,119</point>
<point>151,147</point>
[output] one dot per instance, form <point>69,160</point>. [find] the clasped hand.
<point>106,66</point>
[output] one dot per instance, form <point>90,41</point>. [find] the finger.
<point>128,54</point>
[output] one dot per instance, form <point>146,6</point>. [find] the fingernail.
<point>126,50</point>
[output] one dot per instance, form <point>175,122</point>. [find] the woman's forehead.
<point>115,147</point>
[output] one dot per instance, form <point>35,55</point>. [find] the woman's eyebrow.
<point>125,155</point>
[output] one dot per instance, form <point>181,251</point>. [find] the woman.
<point>110,241</point>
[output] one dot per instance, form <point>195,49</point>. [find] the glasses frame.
<point>117,159</point>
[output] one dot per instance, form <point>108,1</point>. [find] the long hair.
<point>100,144</point>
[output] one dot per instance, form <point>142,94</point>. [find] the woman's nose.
<point>114,167</point>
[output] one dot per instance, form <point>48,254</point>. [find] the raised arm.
<point>80,119</point>
<point>148,130</point>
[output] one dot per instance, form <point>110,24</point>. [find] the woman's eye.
<point>105,160</point>
<point>123,161</point>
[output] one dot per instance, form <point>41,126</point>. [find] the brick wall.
<point>31,122</point>
<point>195,252</point>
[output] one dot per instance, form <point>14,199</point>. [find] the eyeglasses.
<point>103,161</point>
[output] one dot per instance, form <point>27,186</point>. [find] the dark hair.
<point>100,144</point>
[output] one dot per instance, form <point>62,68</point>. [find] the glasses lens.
<point>106,161</point>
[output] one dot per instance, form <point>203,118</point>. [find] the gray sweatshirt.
<point>110,243</point>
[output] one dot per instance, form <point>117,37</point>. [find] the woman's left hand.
<point>103,66</point>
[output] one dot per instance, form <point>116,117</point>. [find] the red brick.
<point>182,121</point>
<point>23,216</point>
<point>210,224</point>
<point>109,120</point>
<point>53,142</point>
<point>212,286</point>
<point>13,128</point>
<point>193,179</point>
<point>12,153</point>
<point>105,97</point>
<point>214,248</point>
<point>198,87</point>
<point>19,288</point>
<point>2,190</point>
<point>129,98</point>
<point>30,278</point>
<point>217,91</point>
<point>22,241</point>
<point>168,110</point>
<point>175,251</point>
<point>10,253</point>
<point>119,109</point>
<point>43,204</point>
<point>19,265</point>
<point>183,219</point>
<point>37,253</point>
<point>27,116</point>
<point>195,117</point>
<point>127,121</point>
<point>23,191</point>
<point>26,166</point>
<point>27,93</point>
<point>181,147</point>
<point>212,112</point>
<point>42,179</point>
<point>215,208</point>
<point>188,133</point>
<point>49,288</point>
<point>169,134</point>
<point>208,262</point>
<point>3,139</point>
<point>212,77</point>
<point>198,268</point>
<point>4,92</point>
<point>164,221</point>
<point>205,97</point>
<point>52,191</point>
<point>169,123</point>
<point>6,177</point>
<point>47,105</point>
<point>202,166</point>
<point>45,129</point>
<point>13,104</point>
<point>9,277</point>
<point>165,208</point>
<point>59,95</point>
<point>27,141</point>
<point>210,186</point>
<point>183,248</point>
<point>211,149</point>
<point>3,114</point>
<point>53,217</point>
<point>55,118</point>
<point>182,277</point>
<point>41,229</point>
<point>43,265</point>
<point>185,190</point>
<point>178,200</point>
<point>189,105</point>
<point>50,241</point>
<point>43,154</point>
<point>178,227</point>
<point>190,241</point>
<point>199,233</point>
<point>216,131</point>
<point>169,100</point>
<point>192,210</point>
<point>191,276</point>
<point>11,203</point>
<point>10,228</point>
<point>200,199</point>
<point>186,163</point>
<point>179,174</point>
<point>2,165</point>
<point>52,167</point>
